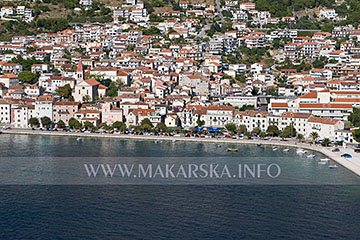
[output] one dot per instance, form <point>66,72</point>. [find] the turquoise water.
<point>46,194</point>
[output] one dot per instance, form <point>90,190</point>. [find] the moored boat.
<point>300,151</point>
<point>324,160</point>
<point>232,149</point>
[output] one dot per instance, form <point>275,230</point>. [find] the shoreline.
<point>352,164</point>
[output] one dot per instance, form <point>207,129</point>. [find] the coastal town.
<point>200,69</point>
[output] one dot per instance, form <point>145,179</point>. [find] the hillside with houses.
<point>242,67</point>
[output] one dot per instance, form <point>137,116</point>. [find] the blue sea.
<point>45,193</point>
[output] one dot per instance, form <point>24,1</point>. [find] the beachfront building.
<point>44,107</point>
<point>64,111</point>
<point>88,115</point>
<point>110,113</point>
<point>5,111</point>
<point>218,115</point>
<point>325,127</point>
<point>22,115</point>
<point>252,119</point>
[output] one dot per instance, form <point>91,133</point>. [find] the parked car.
<point>335,150</point>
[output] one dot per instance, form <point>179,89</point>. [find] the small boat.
<point>300,151</point>
<point>325,160</point>
<point>79,139</point>
<point>232,149</point>
<point>333,166</point>
<point>286,150</point>
<point>218,145</point>
<point>156,142</point>
<point>310,156</point>
<point>322,163</point>
<point>346,155</point>
<point>259,145</point>
<point>274,149</point>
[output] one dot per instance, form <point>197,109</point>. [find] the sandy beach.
<point>352,164</point>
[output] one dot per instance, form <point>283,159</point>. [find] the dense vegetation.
<point>47,17</point>
<point>280,8</point>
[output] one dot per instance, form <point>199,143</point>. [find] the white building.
<point>5,111</point>
<point>44,107</point>
<point>328,13</point>
<point>85,3</point>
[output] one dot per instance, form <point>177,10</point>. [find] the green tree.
<point>320,62</point>
<point>119,126</point>
<point>246,107</point>
<point>356,135</point>
<point>146,125</point>
<point>326,142</point>
<point>45,121</point>
<point>256,131</point>
<point>64,91</point>
<point>273,130</point>
<point>272,91</point>
<point>112,91</point>
<point>200,122</point>
<point>161,127</point>
<point>151,31</point>
<point>73,123</point>
<point>300,137</point>
<point>60,124</point>
<point>87,98</point>
<point>155,18</point>
<point>146,121</point>
<point>314,136</point>
<point>289,131</point>
<point>354,117</point>
<point>262,135</point>
<point>242,129</point>
<point>327,27</point>
<point>34,122</point>
<point>231,127</point>
<point>27,77</point>
<point>105,11</point>
<point>89,125</point>
<point>119,84</point>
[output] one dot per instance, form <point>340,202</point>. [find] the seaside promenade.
<point>352,164</point>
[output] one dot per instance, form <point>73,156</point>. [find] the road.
<point>299,30</point>
<point>202,33</point>
<point>218,8</point>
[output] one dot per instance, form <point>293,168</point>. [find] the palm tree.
<point>300,137</point>
<point>325,142</point>
<point>314,136</point>
<point>262,135</point>
<point>119,84</point>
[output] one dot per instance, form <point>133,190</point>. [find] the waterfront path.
<point>353,164</point>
